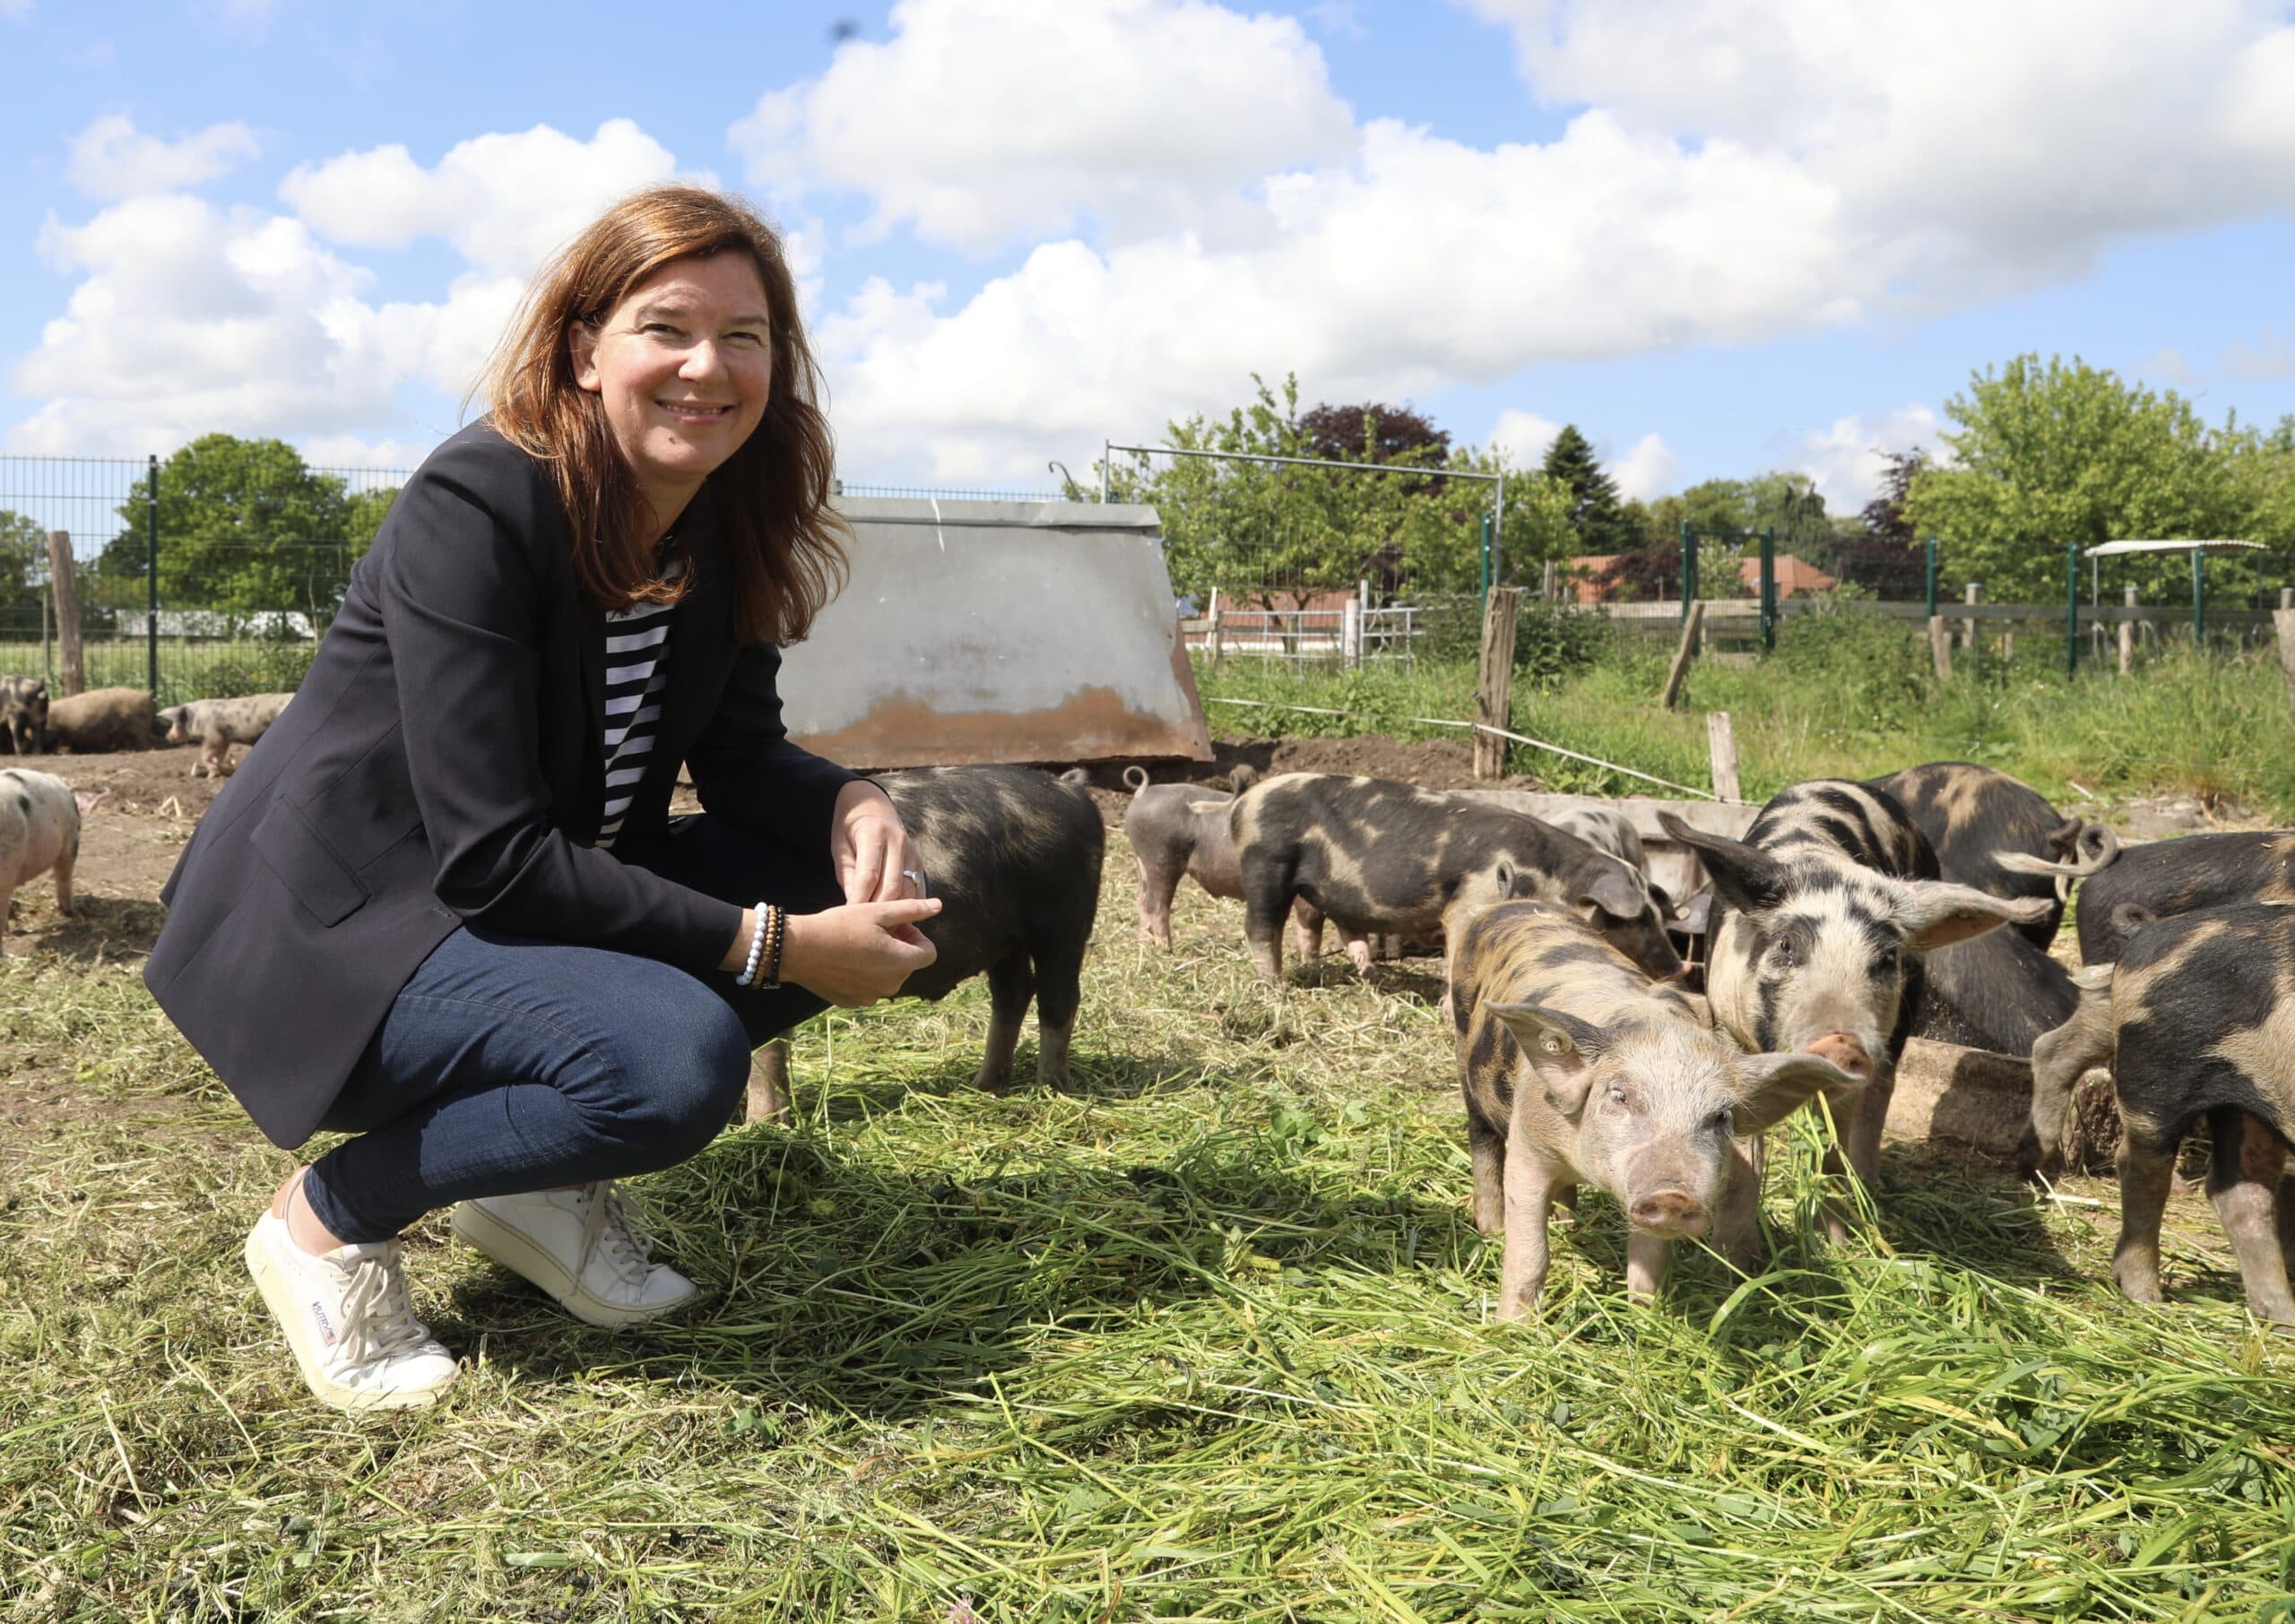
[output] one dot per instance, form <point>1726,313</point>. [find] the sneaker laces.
<point>379,1316</point>
<point>611,1225</point>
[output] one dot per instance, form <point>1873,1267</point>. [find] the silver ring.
<point>915,877</point>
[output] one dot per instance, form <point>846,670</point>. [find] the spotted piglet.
<point>2197,1022</point>
<point>1579,1069</point>
<point>39,831</point>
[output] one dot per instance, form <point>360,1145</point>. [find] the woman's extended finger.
<point>862,876</point>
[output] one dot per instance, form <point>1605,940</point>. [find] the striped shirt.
<point>638,667</point>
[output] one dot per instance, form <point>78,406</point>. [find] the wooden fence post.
<point>2283,625</point>
<point>1493,695</point>
<point>2127,637</point>
<point>1940,648</point>
<point>1968,622</point>
<point>1721,740</point>
<point>1350,632</point>
<point>66,585</point>
<point>1691,627</point>
<point>1214,638</point>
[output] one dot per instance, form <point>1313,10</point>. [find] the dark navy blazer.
<point>442,762</point>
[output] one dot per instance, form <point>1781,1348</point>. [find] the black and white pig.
<point>1015,856</point>
<point>2197,1022</point>
<point>1979,821</point>
<point>1374,855</point>
<point>39,834</point>
<point>2169,877</point>
<point>1579,1069</point>
<point>1823,913</point>
<point>23,711</point>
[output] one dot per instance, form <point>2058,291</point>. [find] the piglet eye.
<point>1617,1094</point>
<point>1720,1120</point>
<point>1783,952</point>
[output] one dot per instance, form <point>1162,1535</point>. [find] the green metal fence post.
<point>2071,609</point>
<point>151,576</point>
<point>1689,569</point>
<point>2199,598</point>
<point>1932,577</point>
<point>1485,560</point>
<point>1768,590</point>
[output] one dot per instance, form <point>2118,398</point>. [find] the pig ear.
<point>1751,881</point>
<point>1504,877</point>
<point>1610,889</point>
<point>86,802</point>
<point>1940,913</point>
<point>1562,1049</point>
<point>1772,1087</point>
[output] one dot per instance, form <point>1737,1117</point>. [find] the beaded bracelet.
<point>772,949</point>
<point>748,978</point>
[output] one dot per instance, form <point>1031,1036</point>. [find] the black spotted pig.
<point>1991,831</point>
<point>1180,831</point>
<point>1015,856</point>
<point>2183,875</point>
<point>2197,1022</point>
<point>1374,855</point>
<point>1579,1069</point>
<point>39,832</point>
<point>23,710</point>
<point>1822,916</point>
<point>218,724</point>
<point>1606,829</point>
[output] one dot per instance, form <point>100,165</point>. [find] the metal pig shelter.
<point>997,632</point>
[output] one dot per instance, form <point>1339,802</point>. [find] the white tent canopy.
<point>2112,549</point>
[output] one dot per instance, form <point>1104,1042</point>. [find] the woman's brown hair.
<point>772,495</point>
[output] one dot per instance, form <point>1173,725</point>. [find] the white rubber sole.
<point>279,1296</point>
<point>480,1230</point>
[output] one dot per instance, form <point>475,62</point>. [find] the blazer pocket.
<point>313,875</point>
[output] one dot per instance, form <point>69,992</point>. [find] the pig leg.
<point>1737,1231</point>
<point>2060,1059</point>
<point>214,755</point>
<point>65,860</point>
<point>1157,886</point>
<point>1859,1150</point>
<point>1488,1151</point>
<point>1529,1202</point>
<point>2147,1170</point>
<point>2243,1182</point>
<point>1647,1259</point>
<point>1307,928</point>
<point>1266,900</point>
<point>1059,991</point>
<point>1010,985</point>
<point>768,1095</point>
<point>7,897</point>
<point>1358,951</point>
<point>2286,1214</point>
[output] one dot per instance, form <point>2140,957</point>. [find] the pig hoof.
<point>2136,1288</point>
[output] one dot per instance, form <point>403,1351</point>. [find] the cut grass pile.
<point>1208,1340</point>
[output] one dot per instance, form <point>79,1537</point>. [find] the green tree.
<point>1598,518</point>
<point>2051,453</point>
<point>23,561</point>
<point>245,528</point>
<point>1277,535</point>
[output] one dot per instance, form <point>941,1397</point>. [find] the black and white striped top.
<point>638,667</point>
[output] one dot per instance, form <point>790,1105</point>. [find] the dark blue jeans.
<point>509,1065</point>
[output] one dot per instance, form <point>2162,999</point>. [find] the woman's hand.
<point>870,849</point>
<point>860,953</point>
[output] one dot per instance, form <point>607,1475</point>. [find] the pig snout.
<point>1844,1051</point>
<point>1669,1213</point>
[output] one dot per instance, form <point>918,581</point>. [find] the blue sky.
<point>1720,236</point>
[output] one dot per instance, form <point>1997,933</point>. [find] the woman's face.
<point>683,366</point>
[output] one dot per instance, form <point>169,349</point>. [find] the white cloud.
<point>1647,469</point>
<point>1847,459</point>
<point>2265,356</point>
<point>504,201</point>
<point>111,158</point>
<point>984,119</point>
<point>1522,438</point>
<point>353,451</point>
<point>15,11</point>
<point>2168,365</point>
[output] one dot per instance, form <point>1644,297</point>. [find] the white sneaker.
<point>585,1247</point>
<point>349,1321</point>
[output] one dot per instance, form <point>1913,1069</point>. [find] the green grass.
<point>1844,696</point>
<point>1208,1339</point>
<point>189,667</point>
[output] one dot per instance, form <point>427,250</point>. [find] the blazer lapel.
<point>701,643</point>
